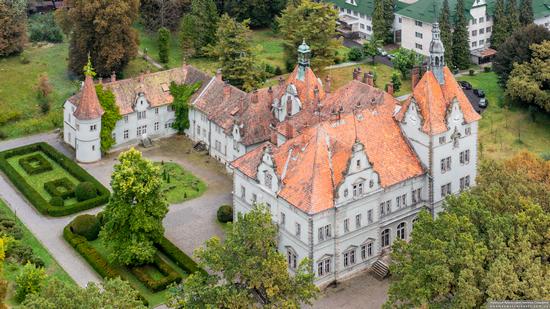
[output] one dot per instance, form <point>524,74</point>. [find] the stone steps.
<point>380,269</point>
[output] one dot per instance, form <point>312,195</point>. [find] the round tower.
<point>88,121</point>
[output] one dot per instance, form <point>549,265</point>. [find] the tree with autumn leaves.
<point>491,243</point>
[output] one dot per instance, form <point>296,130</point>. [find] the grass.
<point>503,131</point>
<point>154,299</point>
<point>37,181</point>
<point>11,270</point>
<point>183,184</point>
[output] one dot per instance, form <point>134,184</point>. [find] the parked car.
<point>465,85</point>
<point>382,52</point>
<point>483,103</point>
<point>391,56</point>
<point>479,93</point>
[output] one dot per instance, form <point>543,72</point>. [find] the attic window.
<point>165,87</point>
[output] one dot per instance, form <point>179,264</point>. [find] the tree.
<point>461,45</point>
<point>234,51</point>
<point>382,20</point>
<point>512,16</point>
<point>396,81</point>
<point>528,82</point>
<point>355,54</point>
<point>43,91</point>
<point>156,14</point>
<point>372,48</point>
<point>113,293</point>
<point>500,25</point>
<point>516,49</point>
<point>490,243</point>
<point>110,117</point>
<point>29,281</point>
<point>261,13</point>
<point>163,42</point>
<point>314,22</point>
<point>246,269</point>
<point>446,32</point>
<point>405,60</point>
<point>198,27</point>
<point>526,12</point>
<point>13,33</point>
<point>133,217</point>
<point>101,29</point>
<point>181,95</point>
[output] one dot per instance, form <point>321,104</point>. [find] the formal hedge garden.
<point>51,181</point>
<point>170,265</point>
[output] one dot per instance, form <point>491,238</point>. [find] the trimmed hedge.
<point>85,191</point>
<point>225,213</point>
<point>170,275</point>
<point>57,201</point>
<point>69,165</point>
<point>27,164</point>
<point>86,225</point>
<point>177,256</point>
<point>52,187</point>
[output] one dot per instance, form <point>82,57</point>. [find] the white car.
<point>382,52</point>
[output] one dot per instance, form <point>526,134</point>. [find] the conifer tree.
<point>446,32</point>
<point>461,45</point>
<point>198,27</point>
<point>379,24</point>
<point>526,12</point>
<point>500,28</point>
<point>233,49</point>
<point>512,16</point>
<point>163,41</point>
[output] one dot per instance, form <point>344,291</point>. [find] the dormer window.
<point>268,179</point>
<point>165,87</point>
<point>358,189</point>
<point>358,164</point>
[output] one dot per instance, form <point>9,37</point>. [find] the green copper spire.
<point>304,54</point>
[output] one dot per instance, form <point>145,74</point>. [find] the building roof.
<point>433,100</point>
<point>428,10</point>
<point>89,107</point>
<point>541,8</point>
<point>155,87</point>
<point>364,6</point>
<point>312,165</point>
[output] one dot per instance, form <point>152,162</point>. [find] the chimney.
<point>273,138</point>
<point>358,74</point>
<point>354,74</point>
<point>281,81</point>
<point>327,84</point>
<point>316,93</point>
<point>370,79</point>
<point>254,97</point>
<point>289,130</point>
<point>241,104</point>
<point>270,93</point>
<point>113,77</point>
<point>219,74</point>
<point>415,76</point>
<point>389,89</point>
<point>226,90</point>
<point>140,77</point>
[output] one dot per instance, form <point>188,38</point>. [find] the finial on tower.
<point>304,54</point>
<point>437,54</point>
<point>88,69</point>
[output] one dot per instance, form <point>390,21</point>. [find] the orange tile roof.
<point>312,165</point>
<point>306,87</point>
<point>89,107</point>
<point>434,99</point>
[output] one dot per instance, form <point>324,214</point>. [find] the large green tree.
<point>382,20</point>
<point>237,57</point>
<point>113,293</point>
<point>526,12</point>
<point>446,32</point>
<point>512,16</point>
<point>13,29</point>
<point>516,49</point>
<point>156,14</point>
<point>406,59</point>
<point>500,26</point>
<point>246,270</point>
<point>316,24</point>
<point>198,27</point>
<point>133,217</point>
<point>102,29</point>
<point>461,44</point>
<point>260,12</point>
<point>181,95</point>
<point>371,48</point>
<point>490,243</point>
<point>529,82</point>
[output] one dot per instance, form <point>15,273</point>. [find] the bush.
<point>57,201</point>
<point>177,256</point>
<point>163,42</point>
<point>61,187</point>
<point>42,27</point>
<point>87,226</point>
<point>19,252</point>
<point>225,214</point>
<point>156,285</point>
<point>472,72</point>
<point>29,281</point>
<point>9,227</point>
<point>278,71</point>
<point>35,164</point>
<point>9,116</point>
<point>356,54</point>
<point>85,191</point>
<point>487,69</point>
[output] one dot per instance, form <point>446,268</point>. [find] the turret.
<point>304,54</point>
<point>437,54</point>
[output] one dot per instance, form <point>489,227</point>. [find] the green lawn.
<point>183,184</point>
<point>11,270</point>
<point>37,181</point>
<point>154,299</point>
<point>505,131</point>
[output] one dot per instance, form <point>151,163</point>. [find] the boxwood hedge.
<point>53,188</point>
<point>42,165</point>
<point>69,165</point>
<point>170,275</point>
<point>177,256</point>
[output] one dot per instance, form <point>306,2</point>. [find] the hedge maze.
<point>50,180</point>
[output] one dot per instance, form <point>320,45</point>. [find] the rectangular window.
<point>445,190</point>
<point>323,267</point>
<point>254,198</point>
<point>442,140</point>
<point>488,29</point>
<point>346,225</point>
<point>388,207</point>
<point>464,183</point>
<point>283,218</point>
<point>418,46</point>
<point>357,221</point>
<point>482,31</point>
<point>243,192</point>
<point>415,195</point>
<point>369,28</point>
<point>369,249</point>
<point>298,229</point>
<point>468,131</point>
<point>125,118</point>
<point>125,134</point>
<point>362,26</point>
<point>142,115</point>
<point>327,231</point>
<point>369,216</point>
<point>464,157</point>
<point>445,164</point>
<point>358,189</point>
<point>418,23</point>
<point>156,126</point>
<point>474,44</point>
<point>93,127</point>
<point>321,235</point>
<point>382,209</point>
<point>474,32</point>
<point>418,35</point>
<point>474,21</point>
<point>398,201</point>
<point>481,19</point>
<point>141,130</point>
<point>156,110</point>
<point>480,43</point>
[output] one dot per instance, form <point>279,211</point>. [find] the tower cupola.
<point>304,55</point>
<point>437,54</point>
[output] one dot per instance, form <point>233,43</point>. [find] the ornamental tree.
<point>246,270</point>
<point>163,44</point>
<point>133,217</point>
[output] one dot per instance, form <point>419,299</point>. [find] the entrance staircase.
<point>380,269</point>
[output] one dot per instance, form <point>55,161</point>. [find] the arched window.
<point>436,61</point>
<point>385,237</point>
<point>401,233</point>
<point>291,258</point>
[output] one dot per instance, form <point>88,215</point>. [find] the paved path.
<point>150,60</point>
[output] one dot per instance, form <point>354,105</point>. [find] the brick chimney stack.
<point>358,74</point>
<point>113,77</point>
<point>370,79</point>
<point>281,81</point>
<point>219,74</point>
<point>273,138</point>
<point>289,130</point>
<point>327,84</point>
<point>389,89</point>
<point>226,90</point>
<point>415,76</point>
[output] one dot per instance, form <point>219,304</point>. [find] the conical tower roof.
<point>89,107</point>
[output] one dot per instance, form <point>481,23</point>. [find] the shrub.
<point>86,225</point>
<point>42,27</point>
<point>278,70</point>
<point>177,256</point>
<point>35,164</point>
<point>472,72</point>
<point>9,116</point>
<point>355,54</point>
<point>85,191</point>
<point>225,214</point>
<point>29,281</point>
<point>487,69</point>
<point>57,201</point>
<point>19,252</point>
<point>156,285</point>
<point>9,227</point>
<point>61,187</point>
<point>163,42</point>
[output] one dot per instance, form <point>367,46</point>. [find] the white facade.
<point>359,22</point>
<point>82,135</point>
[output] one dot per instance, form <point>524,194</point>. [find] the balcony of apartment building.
<point>482,55</point>
<point>348,27</point>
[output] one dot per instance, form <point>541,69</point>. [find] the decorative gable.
<point>413,116</point>
<point>455,116</point>
<point>266,174</point>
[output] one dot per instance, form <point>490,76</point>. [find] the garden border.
<point>70,167</point>
<point>170,275</point>
<point>25,164</point>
